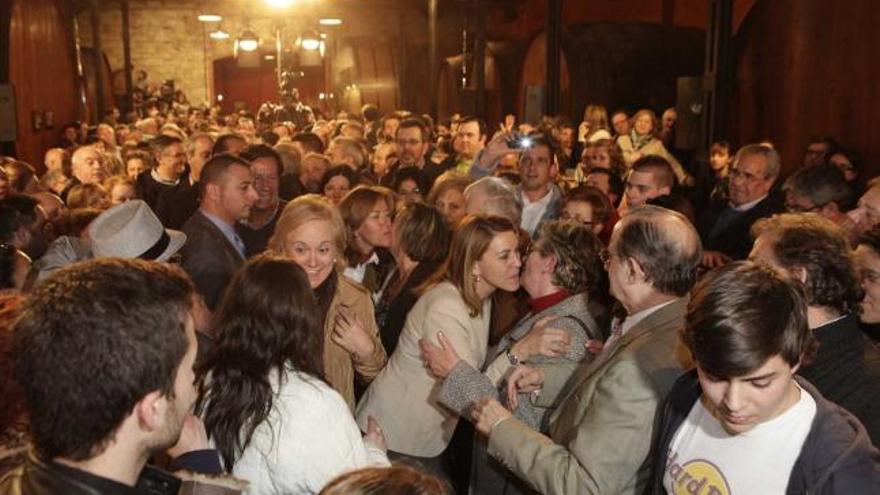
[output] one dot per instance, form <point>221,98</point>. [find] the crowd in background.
<point>381,302</point>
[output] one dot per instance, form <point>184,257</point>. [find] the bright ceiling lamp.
<point>311,40</point>
<point>279,4</point>
<point>248,41</point>
<point>210,18</point>
<point>219,34</point>
<point>330,21</point>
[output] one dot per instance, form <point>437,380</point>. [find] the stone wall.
<point>168,41</point>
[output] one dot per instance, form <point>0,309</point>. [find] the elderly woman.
<point>419,244</point>
<point>483,258</point>
<point>560,273</point>
<point>447,195</point>
<point>311,232</point>
<point>367,213</point>
<point>642,141</point>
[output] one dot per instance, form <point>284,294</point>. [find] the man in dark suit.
<point>214,251</point>
<point>176,205</point>
<point>724,228</point>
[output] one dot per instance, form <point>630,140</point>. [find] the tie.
<point>616,332</point>
<point>239,245</point>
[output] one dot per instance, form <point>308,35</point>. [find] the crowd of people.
<point>392,304</point>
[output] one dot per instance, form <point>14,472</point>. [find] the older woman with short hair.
<point>447,195</point>
<point>311,232</point>
<point>559,274</point>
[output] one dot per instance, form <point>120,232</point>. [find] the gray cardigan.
<point>465,385</point>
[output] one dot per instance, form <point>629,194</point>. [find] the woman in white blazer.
<point>484,257</point>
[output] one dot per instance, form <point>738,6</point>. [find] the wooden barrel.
<point>365,71</point>
<point>452,98</point>
<point>42,71</point>
<point>92,62</point>
<point>620,65</point>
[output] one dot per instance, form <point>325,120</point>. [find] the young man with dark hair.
<point>742,422</point>
<point>104,353</point>
<point>649,177</point>
<point>214,250</point>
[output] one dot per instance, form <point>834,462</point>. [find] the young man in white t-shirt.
<point>742,423</point>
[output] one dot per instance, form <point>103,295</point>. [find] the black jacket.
<point>837,456</point>
<point>175,205</point>
<point>735,239</point>
<point>846,371</point>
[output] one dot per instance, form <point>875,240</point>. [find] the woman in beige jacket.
<point>484,257</point>
<point>311,232</point>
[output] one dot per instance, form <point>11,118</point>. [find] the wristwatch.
<point>513,358</point>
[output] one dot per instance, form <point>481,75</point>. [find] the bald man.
<point>600,434</point>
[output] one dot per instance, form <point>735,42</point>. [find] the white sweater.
<point>309,438</point>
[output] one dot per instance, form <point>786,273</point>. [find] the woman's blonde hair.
<point>305,209</point>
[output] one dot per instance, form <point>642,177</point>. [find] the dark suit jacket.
<point>176,205</point>
<point>735,240</point>
<point>150,190</point>
<point>209,258</point>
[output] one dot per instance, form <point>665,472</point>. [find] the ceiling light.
<point>219,35</point>
<point>248,41</point>
<point>330,21</point>
<point>311,40</point>
<point>279,3</point>
<point>210,18</point>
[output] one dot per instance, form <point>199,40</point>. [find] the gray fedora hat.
<point>132,230</point>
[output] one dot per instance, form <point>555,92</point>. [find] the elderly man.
<point>724,227</point>
<point>600,433</point>
<point>866,215</point>
<point>815,251</point>
<point>87,166</point>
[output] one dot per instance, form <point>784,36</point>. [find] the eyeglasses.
<point>573,218</point>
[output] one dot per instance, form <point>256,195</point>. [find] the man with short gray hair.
<point>819,189</point>
<point>494,196</point>
<point>724,227</point>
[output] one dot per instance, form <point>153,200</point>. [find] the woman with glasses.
<point>559,274</point>
<point>589,207</point>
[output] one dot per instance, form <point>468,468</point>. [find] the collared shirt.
<point>533,211</point>
<point>228,232</point>
<point>357,273</point>
<point>162,180</point>
<point>634,319</point>
<point>748,206</point>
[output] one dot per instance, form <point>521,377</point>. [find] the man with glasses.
<point>257,228</point>
<point>724,227</point>
<point>412,142</point>
<point>820,189</point>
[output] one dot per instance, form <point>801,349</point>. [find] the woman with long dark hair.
<point>264,401</point>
